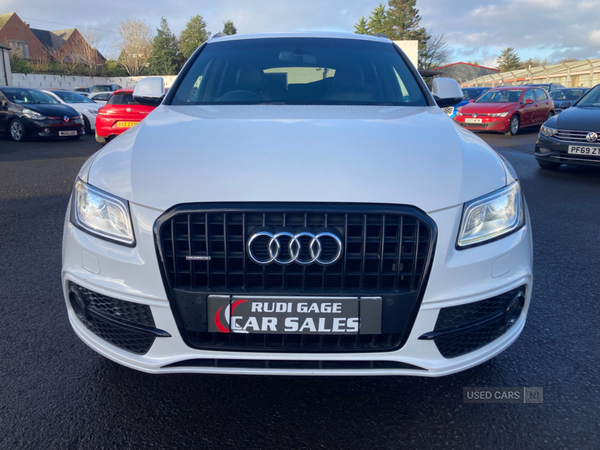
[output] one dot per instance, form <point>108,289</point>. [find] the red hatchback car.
<point>119,114</point>
<point>506,109</point>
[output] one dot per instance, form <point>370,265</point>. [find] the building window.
<point>19,48</point>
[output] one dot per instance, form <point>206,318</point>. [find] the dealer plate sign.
<point>294,315</point>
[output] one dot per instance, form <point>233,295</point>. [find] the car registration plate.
<point>68,133</point>
<point>126,124</point>
<point>294,315</point>
<point>473,120</point>
<point>577,150</point>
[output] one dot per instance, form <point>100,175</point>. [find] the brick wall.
<point>15,28</point>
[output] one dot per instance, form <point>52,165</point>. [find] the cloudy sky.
<point>476,29</point>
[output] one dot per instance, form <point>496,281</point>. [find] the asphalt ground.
<point>56,393</point>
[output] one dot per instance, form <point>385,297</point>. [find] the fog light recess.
<point>77,303</point>
<point>514,308</point>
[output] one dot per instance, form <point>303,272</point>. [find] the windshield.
<point>71,97</point>
<point>299,71</point>
<point>123,98</point>
<point>591,99</point>
<point>503,96</point>
<point>107,88</point>
<point>28,96</point>
<point>471,94</point>
<point>567,94</point>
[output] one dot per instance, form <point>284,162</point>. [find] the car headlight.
<point>547,131</point>
<point>101,214</point>
<point>491,216</point>
<point>504,114</point>
<point>94,112</point>
<point>33,114</point>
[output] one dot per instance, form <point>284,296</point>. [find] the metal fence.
<point>571,74</point>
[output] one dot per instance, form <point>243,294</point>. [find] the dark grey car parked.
<point>564,98</point>
<point>572,137</point>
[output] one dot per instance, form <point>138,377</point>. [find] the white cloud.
<point>594,37</point>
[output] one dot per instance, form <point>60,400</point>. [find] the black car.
<point>28,112</point>
<point>549,87</point>
<point>564,98</point>
<point>572,137</point>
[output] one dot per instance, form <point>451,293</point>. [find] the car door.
<point>3,113</point>
<point>544,106</point>
<point>528,108</point>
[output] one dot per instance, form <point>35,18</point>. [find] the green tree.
<point>378,20</point>
<point>112,68</point>
<point>508,60</point>
<point>404,21</point>
<point>361,27</point>
<point>164,51</point>
<point>18,64</point>
<point>193,36</point>
<point>401,21</point>
<point>229,28</point>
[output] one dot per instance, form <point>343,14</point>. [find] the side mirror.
<point>472,101</point>
<point>4,104</point>
<point>565,105</point>
<point>528,101</point>
<point>446,92</point>
<point>149,91</point>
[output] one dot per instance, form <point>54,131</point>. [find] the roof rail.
<point>381,35</point>
<point>218,35</point>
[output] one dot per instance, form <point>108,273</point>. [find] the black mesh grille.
<point>127,325</point>
<point>128,339</point>
<point>466,328</point>
<point>457,316</point>
<point>320,343</point>
<point>291,364</point>
<point>386,252</point>
<point>451,346</point>
<point>381,252</point>
<point>121,310</point>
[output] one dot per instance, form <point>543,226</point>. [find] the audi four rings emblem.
<point>288,246</point>
<point>592,137</point>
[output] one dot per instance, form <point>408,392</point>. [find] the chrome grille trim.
<point>574,136</point>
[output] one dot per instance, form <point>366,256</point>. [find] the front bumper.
<point>457,278</point>
<point>553,150</point>
<point>52,127</point>
<point>501,124</point>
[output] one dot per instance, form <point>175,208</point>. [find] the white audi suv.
<point>298,204</point>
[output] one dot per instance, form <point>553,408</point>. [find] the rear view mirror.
<point>286,56</point>
<point>149,91</point>
<point>446,92</point>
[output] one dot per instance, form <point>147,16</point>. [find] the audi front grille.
<point>386,251</point>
